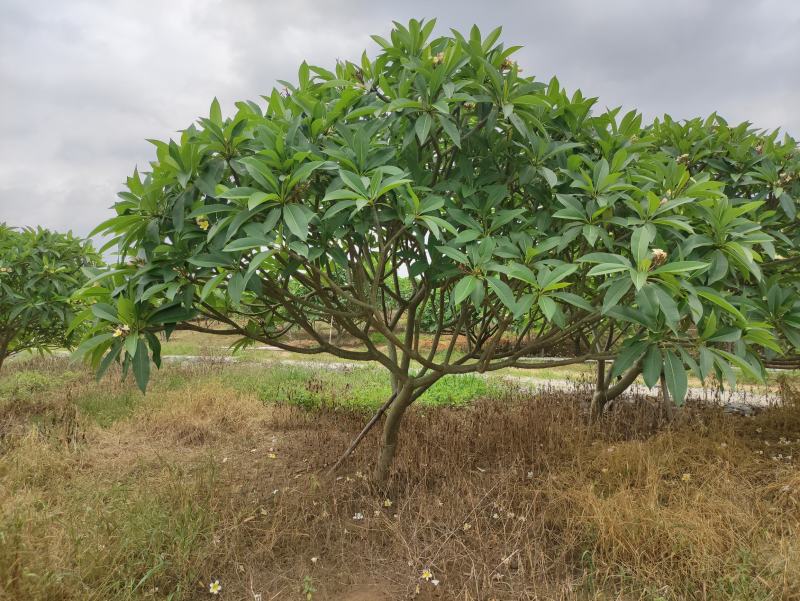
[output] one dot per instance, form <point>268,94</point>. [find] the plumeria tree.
<point>39,271</point>
<point>436,180</point>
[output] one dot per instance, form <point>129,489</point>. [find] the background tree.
<point>39,271</point>
<point>436,184</point>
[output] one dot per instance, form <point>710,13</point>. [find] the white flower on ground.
<point>358,516</point>
<point>214,587</point>
<point>427,575</point>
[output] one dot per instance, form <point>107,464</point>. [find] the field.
<point>498,493</point>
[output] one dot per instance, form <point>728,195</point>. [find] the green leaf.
<point>615,292</point>
<point>131,345</point>
<point>741,364</point>
<point>354,182</point>
<point>141,365</point>
<point>215,114</point>
<point>667,305</point>
<point>259,198</point>
<point>464,288</point>
<point>606,268</point>
<point>640,242</point>
<point>627,357</point>
<point>236,287</point>
<point>651,366</point>
<point>126,309</point>
<point>296,220</point>
<point>574,299</point>
<point>172,313</point>
<point>211,285</point>
<point>106,312</point>
<point>110,357</point>
<point>557,275</point>
<point>680,267</point>
<point>548,307</point>
<point>423,126</point>
<point>239,193</point>
<point>677,379</point>
<point>639,278</point>
<point>788,206</point>
<point>245,244</point>
<point>503,292</point>
<point>454,254</point>
<point>522,272</point>
<point>257,261</point>
<point>604,258</point>
<point>721,302</point>
<point>549,176</point>
<point>450,129</point>
<point>89,345</point>
<point>530,100</point>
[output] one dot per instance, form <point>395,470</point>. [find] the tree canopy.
<point>39,272</point>
<point>436,179</point>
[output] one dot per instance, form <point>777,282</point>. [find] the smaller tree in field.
<point>39,271</point>
<point>436,191</point>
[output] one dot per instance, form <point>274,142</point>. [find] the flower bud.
<point>659,257</point>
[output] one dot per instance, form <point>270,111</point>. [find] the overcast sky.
<point>83,83</point>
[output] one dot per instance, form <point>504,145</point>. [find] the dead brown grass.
<point>512,498</point>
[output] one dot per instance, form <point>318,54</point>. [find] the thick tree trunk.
<point>667,406</point>
<point>609,392</point>
<point>391,428</point>
<point>600,391</point>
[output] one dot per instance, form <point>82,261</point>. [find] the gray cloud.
<point>84,83</point>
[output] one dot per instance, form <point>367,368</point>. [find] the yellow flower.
<point>272,455</point>
<point>202,222</point>
<point>686,477</point>
<point>427,575</point>
<point>118,332</point>
<point>387,503</point>
<point>214,587</point>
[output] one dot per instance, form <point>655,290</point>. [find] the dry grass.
<point>513,497</point>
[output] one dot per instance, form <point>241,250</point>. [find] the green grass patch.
<point>26,385</point>
<point>356,388</point>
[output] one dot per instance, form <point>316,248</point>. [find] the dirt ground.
<point>517,497</point>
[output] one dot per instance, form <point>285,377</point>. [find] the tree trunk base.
<point>391,428</point>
